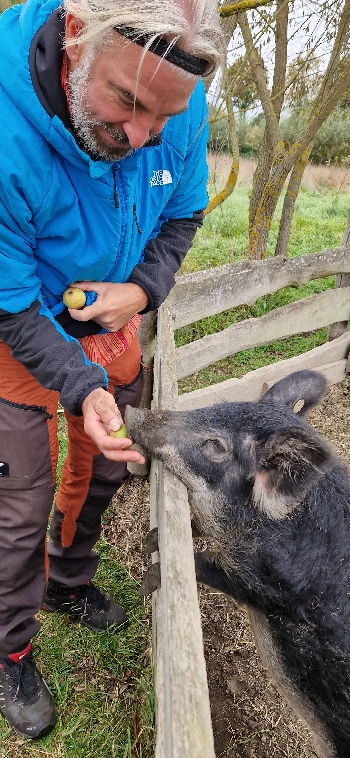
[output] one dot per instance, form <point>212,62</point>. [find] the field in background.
<point>330,178</point>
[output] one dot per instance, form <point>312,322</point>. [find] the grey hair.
<point>193,25</point>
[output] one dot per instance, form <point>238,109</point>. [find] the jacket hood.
<point>20,32</point>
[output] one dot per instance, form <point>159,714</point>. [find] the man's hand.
<point>101,414</point>
<point>116,304</point>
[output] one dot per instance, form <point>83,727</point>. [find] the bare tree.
<point>275,162</point>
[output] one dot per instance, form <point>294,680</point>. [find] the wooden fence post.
<point>342,280</point>
<point>147,339</point>
<point>183,722</point>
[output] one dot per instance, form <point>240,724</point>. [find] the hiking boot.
<point>25,699</point>
<point>87,603</point>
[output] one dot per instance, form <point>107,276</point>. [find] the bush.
<point>331,144</point>
<point>249,134</point>
<point>332,141</point>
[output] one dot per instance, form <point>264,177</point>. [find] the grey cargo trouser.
<point>28,455</point>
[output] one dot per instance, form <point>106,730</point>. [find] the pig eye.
<point>213,447</point>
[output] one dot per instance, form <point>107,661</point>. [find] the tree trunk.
<point>263,219</point>
<point>233,175</point>
<point>289,203</point>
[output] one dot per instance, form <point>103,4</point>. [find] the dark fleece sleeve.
<point>163,256</point>
<point>56,361</point>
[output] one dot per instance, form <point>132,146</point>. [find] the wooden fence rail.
<point>183,726</point>
<point>209,292</point>
<point>296,318</point>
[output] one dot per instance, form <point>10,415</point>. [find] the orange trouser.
<point>28,459</point>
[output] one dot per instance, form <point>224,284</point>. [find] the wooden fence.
<point>183,724</point>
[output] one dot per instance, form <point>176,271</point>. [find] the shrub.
<point>332,141</point>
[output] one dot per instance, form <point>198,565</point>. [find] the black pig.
<point>277,501</point>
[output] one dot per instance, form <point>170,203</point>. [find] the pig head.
<point>273,495</point>
<point>242,463</point>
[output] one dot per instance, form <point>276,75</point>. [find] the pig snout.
<point>134,417</point>
<point>146,428</point>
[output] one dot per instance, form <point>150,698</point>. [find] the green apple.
<point>74,297</point>
<point>120,433</point>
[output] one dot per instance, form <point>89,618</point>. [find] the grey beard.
<point>85,125</point>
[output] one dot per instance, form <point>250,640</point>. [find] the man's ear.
<point>289,465</point>
<point>74,49</point>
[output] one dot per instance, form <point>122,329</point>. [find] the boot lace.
<point>24,680</point>
<point>96,599</point>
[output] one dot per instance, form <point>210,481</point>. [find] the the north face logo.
<point>163,176</point>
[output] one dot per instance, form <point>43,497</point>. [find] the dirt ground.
<point>250,718</point>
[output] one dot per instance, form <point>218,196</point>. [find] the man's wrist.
<point>139,295</point>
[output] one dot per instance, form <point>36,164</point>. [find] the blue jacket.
<point>58,220</point>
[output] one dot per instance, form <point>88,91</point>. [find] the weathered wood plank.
<point>147,339</point>
<point>342,280</point>
<point>334,373</point>
<point>167,391</point>
<point>188,730</point>
<point>205,293</point>
<point>146,336</point>
<point>250,386</point>
<point>183,722</point>
<point>302,316</point>
<point>157,629</point>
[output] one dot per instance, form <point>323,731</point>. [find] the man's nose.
<point>139,129</point>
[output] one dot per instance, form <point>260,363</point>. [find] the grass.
<point>319,223</point>
<point>101,683</point>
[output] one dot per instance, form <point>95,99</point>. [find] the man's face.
<point>115,107</point>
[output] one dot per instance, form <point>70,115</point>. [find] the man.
<point>102,182</point>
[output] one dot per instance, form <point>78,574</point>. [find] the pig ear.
<point>299,391</point>
<point>290,464</point>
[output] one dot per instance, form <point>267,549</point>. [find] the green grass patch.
<point>263,305</point>
<point>319,223</point>
<point>249,360</point>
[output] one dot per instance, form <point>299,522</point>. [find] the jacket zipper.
<point>118,204</point>
<point>135,217</point>
<point>115,190</point>
<point>116,198</point>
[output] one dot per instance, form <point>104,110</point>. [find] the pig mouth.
<point>144,428</point>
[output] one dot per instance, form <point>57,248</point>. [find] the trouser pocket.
<point>25,460</point>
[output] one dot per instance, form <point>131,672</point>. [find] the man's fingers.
<point>87,313</point>
<point>108,411</point>
<point>114,424</point>
<point>118,449</point>
<point>101,414</point>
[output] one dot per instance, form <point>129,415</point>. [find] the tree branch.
<point>281,47</point>
<point>272,122</point>
<point>233,175</point>
<point>240,6</point>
